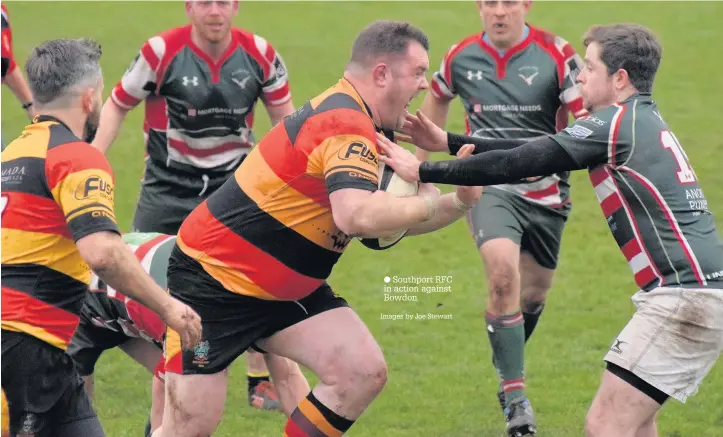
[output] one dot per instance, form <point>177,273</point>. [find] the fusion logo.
<point>360,150</point>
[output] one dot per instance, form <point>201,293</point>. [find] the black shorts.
<point>90,341</point>
<point>231,322</point>
<point>45,394</point>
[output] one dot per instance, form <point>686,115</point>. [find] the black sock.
<point>147,431</point>
<point>531,320</point>
<point>255,380</point>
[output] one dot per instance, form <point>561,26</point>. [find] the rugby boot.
<point>520,418</point>
<point>264,397</point>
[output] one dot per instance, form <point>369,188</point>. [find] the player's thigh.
<point>331,340</point>
<point>43,389</point>
<point>672,341</point>
<point>89,342</point>
<point>494,218</point>
<point>194,403</point>
<point>143,352</point>
<point>619,408</point>
<point>542,237</point>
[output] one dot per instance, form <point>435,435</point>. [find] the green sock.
<point>507,337</point>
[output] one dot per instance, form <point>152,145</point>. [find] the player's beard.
<point>91,125</point>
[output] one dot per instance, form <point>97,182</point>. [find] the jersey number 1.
<point>670,142</point>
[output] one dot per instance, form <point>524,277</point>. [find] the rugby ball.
<point>392,184</point>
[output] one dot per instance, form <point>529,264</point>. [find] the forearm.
<point>111,118</point>
<point>120,269</point>
<point>382,214</point>
<point>539,157</point>
<point>19,87</point>
<point>447,213</point>
<point>437,111</point>
<point>481,145</point>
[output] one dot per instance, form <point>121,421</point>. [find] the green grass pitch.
<point>441,382</point>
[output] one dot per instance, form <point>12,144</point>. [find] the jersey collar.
<point>525,35</point>
<point>45,118</point>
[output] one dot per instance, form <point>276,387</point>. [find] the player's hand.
<point>420,131</point>
<point>401,160</point>
<point>468,195</point>
<point>182,319</point>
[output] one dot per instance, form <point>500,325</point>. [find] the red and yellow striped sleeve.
<point>81,182</point>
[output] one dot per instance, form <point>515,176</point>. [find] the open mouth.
<point>215,26</point>
<point>499,26</point>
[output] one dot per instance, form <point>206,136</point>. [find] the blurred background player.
<point>200,83</point>
<point>515,81</point>
<point>109,319</point>
<point>11,75</point>
<point>58,223</point>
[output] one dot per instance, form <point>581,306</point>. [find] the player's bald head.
<point>385,39</point>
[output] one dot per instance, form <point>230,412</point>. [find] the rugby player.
<point>515,81</point>
<point>109,319</point>
<point>58,223</point>
<point>11,75</point>
<point>657,212</point>
<point>254,258</point>
<point>200,83</point>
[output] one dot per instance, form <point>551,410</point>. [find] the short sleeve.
<point>141,77</point>
<point>81,181</point>
<point>350,161</point>
<point>442,86</point>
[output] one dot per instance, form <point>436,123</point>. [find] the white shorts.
<point>673,339</point>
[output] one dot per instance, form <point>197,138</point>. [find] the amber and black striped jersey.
<point>268,232</point>
<point>56,189</point>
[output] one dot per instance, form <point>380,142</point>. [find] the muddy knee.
<point>356,377</point>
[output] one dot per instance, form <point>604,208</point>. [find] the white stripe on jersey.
<point>209,142</point>
<point>230,157</point>
<point>673,222</point>
<point>606,189</point>
<point>611,134</point>
<point>631,220</point>
<point>571,94</point>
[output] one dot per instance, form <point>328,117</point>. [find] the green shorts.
<point>535,228</point>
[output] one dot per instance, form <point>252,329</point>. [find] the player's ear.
<point>87,100</point>
<point>189,5</point>
<point>235,7</point>
<point>526,5</point>
<point>381,74</point>
<point>621,79</point>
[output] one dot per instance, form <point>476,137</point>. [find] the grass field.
<point>441,382</point>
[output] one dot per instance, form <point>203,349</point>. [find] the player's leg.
<point>143,352</point>
<point>648,429</point>
<point>666,350</point>
<point>497,228</point>
<point>540,248</point>
<point>196,380</point>
<point>44,392</point>
<point>349,363</point>
<point>535,283</point>
<point>262,393</point>
<point>290,382</point>
<point>88,344</point>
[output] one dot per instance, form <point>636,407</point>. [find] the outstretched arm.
<point>541,156</point>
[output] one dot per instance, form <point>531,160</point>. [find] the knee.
<point>362,373</point>
<point>503,280</point>
<point>533,298</point>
